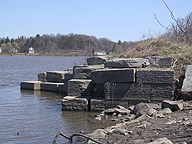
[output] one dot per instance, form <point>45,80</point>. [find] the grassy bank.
<point>180,52</point>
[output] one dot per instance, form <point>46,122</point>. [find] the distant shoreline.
<point>47,55</point>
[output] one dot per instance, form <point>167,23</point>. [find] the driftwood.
<point>70,138</point>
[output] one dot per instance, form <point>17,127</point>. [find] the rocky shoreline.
<point>169,122</point>
<point>142,91</point>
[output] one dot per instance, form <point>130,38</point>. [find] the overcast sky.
<point>125,20</point>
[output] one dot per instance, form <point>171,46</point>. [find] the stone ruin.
<point>103,83</point>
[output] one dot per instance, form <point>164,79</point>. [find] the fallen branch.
<point>71,137</point>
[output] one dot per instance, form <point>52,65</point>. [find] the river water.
<point>35,116</point>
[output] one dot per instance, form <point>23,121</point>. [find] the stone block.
<point>127,63</point>
<point>137,91</point>
<point>187,83</point>
<point>162,62</point>
<point>160,92</point>
<point>48,86</point>
<point>84,72</point>
<point>62,89</point>
<point>96,60</point>
<point>113,75</point>
<point>78,87</point>
<point>75,103</point>
<point>57,76</point>
<point>31,85</point>
<point>155,76</point>
<point>42,77</point>
<point>173,105</point>
<point>97,104</point>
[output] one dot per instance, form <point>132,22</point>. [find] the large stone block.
<point>48,86</point>
<point>113,75</point>
<point>75,103</point>
<point>127,63</point>
<point>162,62</point>
<point>79,87</point>
<point>31,85</point>
<point>97,104</point>
<point>137,91</point>
<point>187,83</point>
<point>42,77</point>
<point>84,72</point>
<point>155,76</point>
<point>96,60</point>
<point>62,89</point>
<point>57,76</point>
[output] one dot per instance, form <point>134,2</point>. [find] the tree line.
<point>71,42</point>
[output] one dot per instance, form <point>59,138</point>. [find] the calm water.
<point>37,116</point>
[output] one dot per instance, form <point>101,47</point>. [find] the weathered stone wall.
<point>116,82</point>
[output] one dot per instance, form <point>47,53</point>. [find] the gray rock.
<point>138,141</point>
<point>113,75</point>
<point>161,141</point>
<point>127,63</point>
<point>62,89</point>
<point>84,72</point>
<point>187,83</point>
<point>57,76</point>
<point>97,104</point>
<point>78,87</point>
<point>48,86</point>
<point>165,111</point>
<point>98,134</point>
<point>120,131</point>
<point>96,60</point>
<point>118,110</point>
<point>171,122</point>
<point>42,77</point>
<point>155,76</point>
<point>128,118</point>
<point>31,85</point>
<point>143,108</point>
<point>173,105</point>
<point>75,103</point>
<point>162,62</point>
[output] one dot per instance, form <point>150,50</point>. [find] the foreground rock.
<point>187,83</point>
<point>161,141</point>
<point>173,105</point>
<point>171,127</point>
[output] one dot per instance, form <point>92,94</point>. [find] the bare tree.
<point>180,29</point>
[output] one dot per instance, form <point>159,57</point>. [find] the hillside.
<point>162,46</point>
<point>62,45</point>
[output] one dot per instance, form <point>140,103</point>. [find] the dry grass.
<point>180,52</point>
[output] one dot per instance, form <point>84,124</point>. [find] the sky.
<point>125,20</point>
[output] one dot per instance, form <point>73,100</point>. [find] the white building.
<point>0,50</point>
<point>31,50</point>
<point>100,53</point>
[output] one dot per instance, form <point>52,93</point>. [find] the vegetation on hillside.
<point>175,43</point>
<point>71,43</point>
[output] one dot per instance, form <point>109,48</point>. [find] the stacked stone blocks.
<point>116,82</point>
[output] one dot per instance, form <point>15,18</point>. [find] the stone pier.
<point>109,83</point>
